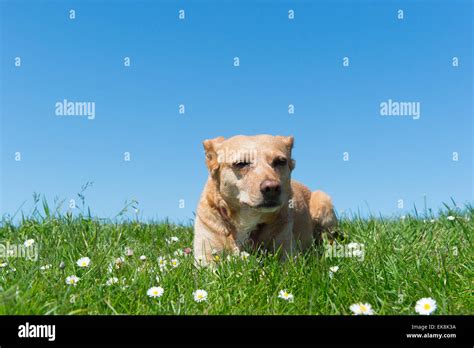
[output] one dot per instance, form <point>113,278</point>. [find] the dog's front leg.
<point>209,244</point>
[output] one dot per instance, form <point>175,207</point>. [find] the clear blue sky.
<point>191,62</point>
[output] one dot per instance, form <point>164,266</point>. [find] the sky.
<point>191,62</point>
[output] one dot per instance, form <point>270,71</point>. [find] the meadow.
<point>116,263</point>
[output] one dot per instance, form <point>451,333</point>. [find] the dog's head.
<point>251,171</point>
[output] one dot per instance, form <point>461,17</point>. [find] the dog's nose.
<point>270,188</point>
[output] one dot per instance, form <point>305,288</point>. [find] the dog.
<point>250,200</point>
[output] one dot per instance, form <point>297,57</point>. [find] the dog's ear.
<point>210,147</point>
<point>289,141</point>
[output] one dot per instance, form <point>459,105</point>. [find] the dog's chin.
<point>265,207</point>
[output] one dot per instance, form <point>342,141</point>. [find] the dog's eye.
<point>240,164</point>
<point>279,162</point>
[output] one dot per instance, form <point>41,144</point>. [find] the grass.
<point>404,261</point>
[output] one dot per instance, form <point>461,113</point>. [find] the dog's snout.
<point>270,188</point>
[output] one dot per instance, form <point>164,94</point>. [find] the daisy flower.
<point>174,263</point>
<point>29,242</point>
<point>119,261</point>
<point>172,240</point>
<point>129,252</point>
<point>45,267</point>
<point>72,280</point>
<point>425,306</point>
<point>117,264</point>
<point>110,281</point>
<point>200,295</point>
<point>285,295</point>
<point>361,309</point>
<point>187,251</point>
<point>333,270</point>
<point>244,255</point>
<point>83,262</point>
<point>143,258</point>
<point>451,218</point>
<point>155,291</point>
<point>162,262</point>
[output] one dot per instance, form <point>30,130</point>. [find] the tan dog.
<point>250,199</point>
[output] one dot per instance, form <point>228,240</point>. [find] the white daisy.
<point>45,267</point>
<point>285,295</point>
<point>83,262</point>
<point>72,280</point>
<point>119,261</point>
<point>333,270</point>
<point>172,240</point>
<point>111,281</point>
<point>117,264</point>
<point>129,252</point>
<point>425,306</point>
<point>244,255</point>
<point>361,309</point>
<point>29,242</point>
<point>155,291</point>
<point>174,263</point>
<point>143,258</point>
<point>451,218</point>
<point>200,295</point>
<point>162,262</point>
